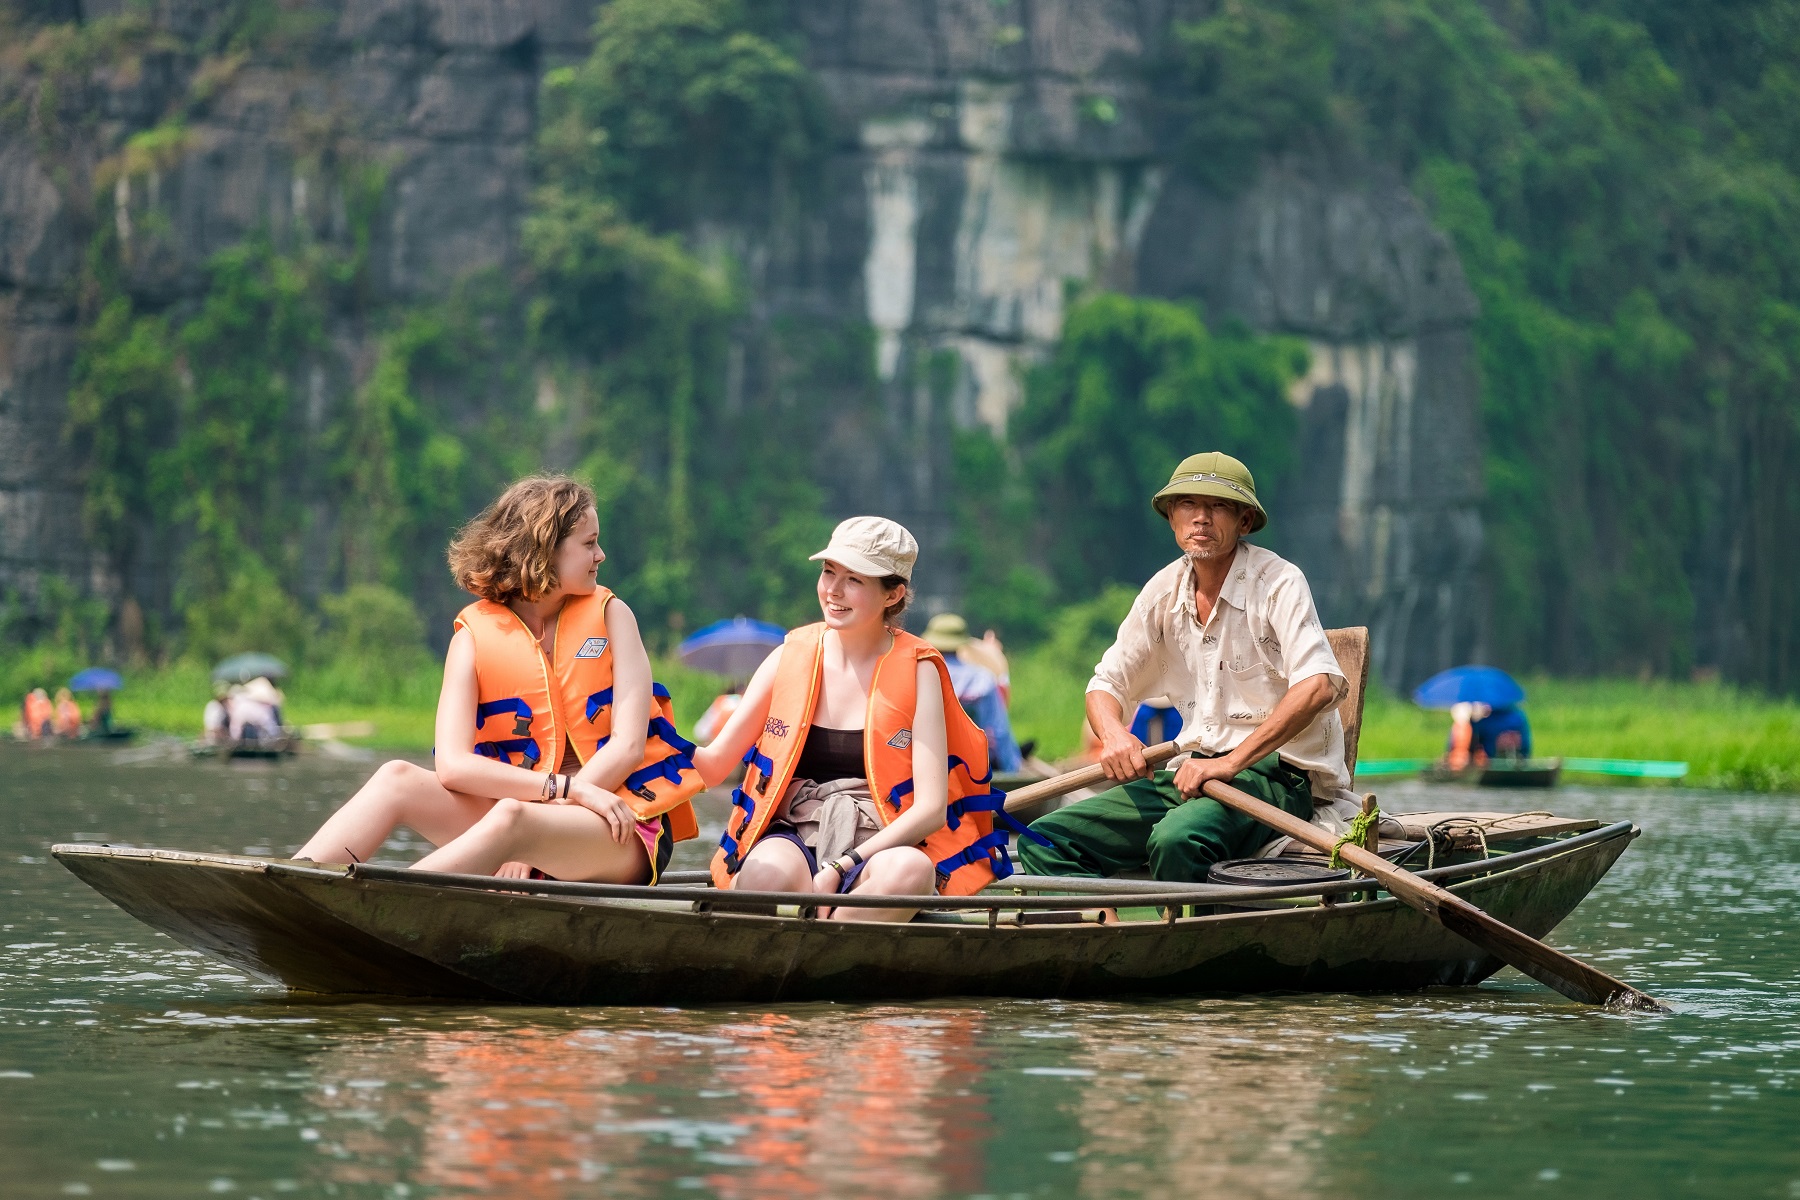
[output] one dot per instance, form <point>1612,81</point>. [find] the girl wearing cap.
<point>555,754</point>
<point>865,775</point>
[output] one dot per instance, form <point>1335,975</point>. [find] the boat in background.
<point>1500,772</point>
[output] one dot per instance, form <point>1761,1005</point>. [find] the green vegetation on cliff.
<point>1622,181</point>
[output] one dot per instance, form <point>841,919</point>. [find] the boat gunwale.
<point>724,902</point>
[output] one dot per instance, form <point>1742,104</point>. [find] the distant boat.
<point>1619,768</point>
<point>1501,773</point>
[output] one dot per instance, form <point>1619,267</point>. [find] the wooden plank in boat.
<point>1500,828</point>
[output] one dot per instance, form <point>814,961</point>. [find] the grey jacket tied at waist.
<point>831,817</point>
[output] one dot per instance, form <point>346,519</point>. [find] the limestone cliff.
<point>991,157</point>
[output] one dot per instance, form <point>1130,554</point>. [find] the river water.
<point>132,1067</point>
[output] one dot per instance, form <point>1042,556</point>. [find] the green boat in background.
<point>1527,772</point>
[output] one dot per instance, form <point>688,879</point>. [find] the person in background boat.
<point>215,721</point>
<point>1503,733</point>
<point>1229,635</point>
<point>39,714</point>
<point>1156,720</point>
<point>556,752</point>
<point>986,651</point>
<point>101,725</point>
<point>68,714</point>
<point>977,688</point>
<point>254,711</point>
<point>1461,751</point>
<point>865,773</point>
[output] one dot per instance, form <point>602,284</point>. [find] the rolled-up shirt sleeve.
<point>1123,671</point>
<point>1305,651</point>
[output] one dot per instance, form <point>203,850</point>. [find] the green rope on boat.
<point>1358,833</point>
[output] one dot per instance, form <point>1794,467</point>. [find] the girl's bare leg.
<point>775,865</point>
<point>399,793</point>
<point>897,871</point>
<point>564,840</point>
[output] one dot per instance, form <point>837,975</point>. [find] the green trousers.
<point>1147,823</point>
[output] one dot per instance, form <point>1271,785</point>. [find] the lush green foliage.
<point>700,505</point>
<point>1620,179</point>
<point>1133,383</point>
<point>221,433</point>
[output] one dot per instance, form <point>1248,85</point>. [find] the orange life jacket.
<point>40,715</point>
<point>968,851</point>
<point>527,704</point>
<point>1462,735</point>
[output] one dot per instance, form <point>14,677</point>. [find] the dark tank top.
<point>831,754</point>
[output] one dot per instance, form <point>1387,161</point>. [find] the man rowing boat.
<point>1229,633</point>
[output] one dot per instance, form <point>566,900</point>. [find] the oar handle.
<point>1568,975</point>
<point>1074,781</point>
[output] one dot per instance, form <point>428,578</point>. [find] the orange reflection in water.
<point>872,1106</point>
<point>875,1102</point>
<point>1231,1102</point>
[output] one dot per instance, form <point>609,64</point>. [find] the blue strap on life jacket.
<point>511,704</point>
<point>527,748</point>
<point>669,768</point>
<point>765,767</point>
<point>603,698</point>
<point>663,728</point>
<point>956,762</point>
<point>901,791</point>
<point>990,802</point>
<point>729,844</point>
<point>599,700</point>
<point>990,849</point>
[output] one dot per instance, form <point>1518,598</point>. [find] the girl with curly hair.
<point>555,754</point>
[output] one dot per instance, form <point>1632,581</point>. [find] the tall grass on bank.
<point>401,703</point>
<point>1732,739</point>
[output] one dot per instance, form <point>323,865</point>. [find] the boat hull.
<point>326,930</point>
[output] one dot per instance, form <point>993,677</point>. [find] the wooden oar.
<point>1074,781</point>
<point>1570,976</point>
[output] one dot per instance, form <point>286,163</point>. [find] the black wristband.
<point>855,858</point>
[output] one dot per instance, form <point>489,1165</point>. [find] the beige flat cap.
<point>872,546</point>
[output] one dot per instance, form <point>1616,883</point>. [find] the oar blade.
<point>1549,966</point>
<point>1553,968</point>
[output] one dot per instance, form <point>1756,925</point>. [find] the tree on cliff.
<point>1622,181</point>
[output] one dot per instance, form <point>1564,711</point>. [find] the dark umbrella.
<point>733,648</point>
<point>1469,685</point>
<point>96,679</point>
<point>242,668</point>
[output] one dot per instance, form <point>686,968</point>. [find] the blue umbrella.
<point>1469,685</point>
<point>96,679</point>
<point>733,648</point>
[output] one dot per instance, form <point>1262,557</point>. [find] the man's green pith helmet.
<point>1212,474</point>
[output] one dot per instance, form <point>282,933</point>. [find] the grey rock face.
<point>992,156</point>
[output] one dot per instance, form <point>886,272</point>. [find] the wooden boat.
<point>276,747</point>
<point>371,929</point>
<point>1501,772</point>
<point>378,930</point>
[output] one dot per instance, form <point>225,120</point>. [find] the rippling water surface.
<point>132,1067</point>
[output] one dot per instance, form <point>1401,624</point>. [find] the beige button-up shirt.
<point>1226,676</point>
